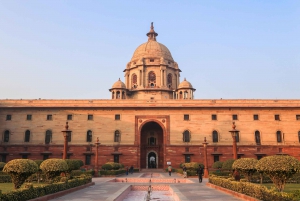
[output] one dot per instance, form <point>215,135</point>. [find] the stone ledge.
<point>62,193</point>
<point>233,193</point>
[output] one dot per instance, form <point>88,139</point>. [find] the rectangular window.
<point>90,117</point>
<point>8,117</point>
<point>69,117</point>
<point>117,117</point>
<point>116,158</point>
<point>3,158</point>
<point>213,117</point>
<point>29,117</point>
<point>259,157</point>
<point>25,156</point>
<point>216,158</point>
<point>87,159</point>
<point>255,117</point>
<point>298,117</point>
<point>186,117</point>
<point>277,117</point>
<point>45,156</point>
<point>234,117</point>
<point>151,60</point>
<point>49,117</point>
<point>187,158</point>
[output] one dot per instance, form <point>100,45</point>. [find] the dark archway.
<point>152,140</point>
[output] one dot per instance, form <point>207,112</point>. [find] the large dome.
<point>152,49</point>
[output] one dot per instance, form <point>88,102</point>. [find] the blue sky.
<point>78,49</point>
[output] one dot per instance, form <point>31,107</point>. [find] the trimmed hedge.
<point>53,167</point>
<point>111,172</point>
<point>253,190</point>
<point>34,192</point>
<point>2,164</point>
<point>5,179</point>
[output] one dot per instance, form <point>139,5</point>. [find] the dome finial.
<point>152,34</point>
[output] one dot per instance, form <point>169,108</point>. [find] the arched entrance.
<point>152,141</point>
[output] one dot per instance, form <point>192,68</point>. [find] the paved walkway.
<point>108,191</point>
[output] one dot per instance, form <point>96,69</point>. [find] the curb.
<point>233,193</point>
<point>62,193</point>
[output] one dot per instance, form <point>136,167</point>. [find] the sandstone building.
<point>151,113</point>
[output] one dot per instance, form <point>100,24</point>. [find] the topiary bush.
<point>73,164</point>
<point>20,170</point>
<point>227,165</point>
<point>53,167</point>
<point>217,165</point>
<point>2,164</point>
<point>246,166</point>
<point>192,165</point>
<point>278,168</point>
<point>107,166</point>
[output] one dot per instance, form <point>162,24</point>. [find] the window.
<point>118,95</point>
<point>8,117</point>
<point>151,60</point>
<point>234,117</point>
<point>169,80</point>
<point>257,137</point>
<point>186,117</point>
<point>24,156</point>
<point>116,158</point>
<point>117,136</point>
<point>27,136</point>
<point>152,141</point>
<point>117,117</point>
<point>278,136</point>
<point>213,117</point>
<point>298,117</point>
<point>87,159</point>
<point>69,137</point>
<point>185,95</point>
<point>216,158</point>
<point>187,158</point>
<point>49,117</point>
<point>3,158</point>
<point>134,80</point>
<point>259,157</point>
<point>215,136</point>
<point>186,136</point>
<point>6,136</point>
<point>277,117</point>
<point>29,117</point>
<point>255,117</point>
<point>152,79</point>
<point>299,136</point>
<point>48,137</point>
<point>45,156</point>
<point>89,136</point>
<point>69,117</point>
<point>90,117</point>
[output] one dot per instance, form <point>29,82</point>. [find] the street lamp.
<point>205,174</point>
<point>234,133</point>
<point>97,143</point>
<point>66,134</point>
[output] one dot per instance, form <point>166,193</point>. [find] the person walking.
<point>127,169</point>
<point>184,171</point>
<point>131,169</point>
<point>200,173</point>
<point>170,170</point>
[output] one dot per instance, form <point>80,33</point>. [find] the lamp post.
<point>66,134</point>
<point>97,143</point>
<point>234,133</point>
<point>205,174</point>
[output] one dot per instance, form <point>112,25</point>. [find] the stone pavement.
<point>108,191</point>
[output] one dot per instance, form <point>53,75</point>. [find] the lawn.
<point>6,187</point>
<point>287,188</point>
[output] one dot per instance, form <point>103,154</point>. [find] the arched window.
<point>215,136</point>
<point>48,137</point>
<point>117,137</point>
<point>118,95</point>
<point>89,136</point>
<point>152,141</point>
<point>279,136</point>
<point>186,136</point>
<point>113,95</point>
<point>6,136</point>
<point>123,95</point>
<point>180,95</point>
<point>185,95</point>
<point>299,136</point>
<point>27,136</point>
<point>257,137</point>
<point>169,80</point>
<point>134,80</point>
<point>152,79</point>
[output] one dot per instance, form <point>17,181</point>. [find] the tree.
<point>19,170</point>
<point>53,167</point>
<point>217,165</point>
<point>247,166</point>
<point>278,168</point>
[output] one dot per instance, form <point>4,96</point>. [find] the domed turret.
<point>185,90</point>
<point>118,90</point>
<point>118,85</point>
<point>185,85</point>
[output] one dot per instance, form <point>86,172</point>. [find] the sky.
<point>237,49</point>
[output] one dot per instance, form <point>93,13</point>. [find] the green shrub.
<point>107,166</point>
<point>217,165</point>
<point>53,167</point>
<point>246,166</point>
<point>19,170</point>
<point>221,173</point>
<point>111,172</point>
<point>73,164</point>
<point>2,164</point>
<point>192,165</point>
<point>5,179</point>
<point>278,168</point>
<point>227,165</point>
